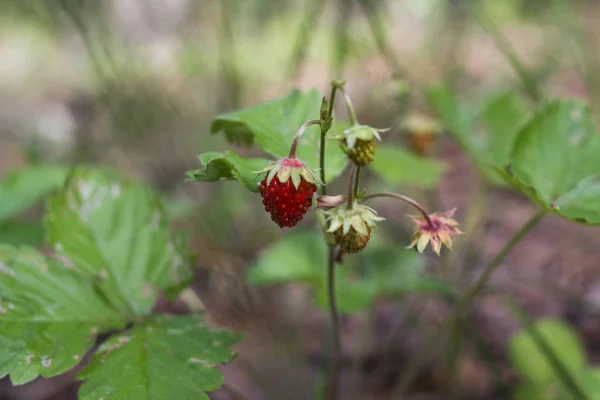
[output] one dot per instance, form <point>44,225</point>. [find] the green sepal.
<point>274,169</point>
<point>296,178</point>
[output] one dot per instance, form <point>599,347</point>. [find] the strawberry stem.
<point>299,135</point>
<point>351,112</point>
<point>406,199</point>
<point>352,185</point>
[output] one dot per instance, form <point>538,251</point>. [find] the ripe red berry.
<point>286,204</point>
<point>287,191</point>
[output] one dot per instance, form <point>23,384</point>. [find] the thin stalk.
<point>299,135</point>
<point>305,34</point>
<point>405,199</point>
<point>497,260</point>
<point>351,111</point>
<point>324,137</point>
<point>356,181</point>
<point>331,387</point>
<point>191,300</point>
<point>378,31</point>
<point>530,83</point>
<point>351,185</point>
<point>333,373</point>
<point>455,319</point>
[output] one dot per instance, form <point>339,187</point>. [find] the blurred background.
<point>134,84</point>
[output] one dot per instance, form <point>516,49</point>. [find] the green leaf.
<point>532,364</point>
<point>164,357</point>
<point>273,125</point>
<point>116,231</point>
<point>398,166</point>
<point>24,187</point>
<point>228,166</point>
<point>556,149</point>
<point>502,116</point>
<point>360,281</point>
<point>455,118</point>
<point>380,272</point>
<point>22,232</point>
<point>298,257</point>
<point>527,392</point>
<point>49,315</point>
<point>555,161</point>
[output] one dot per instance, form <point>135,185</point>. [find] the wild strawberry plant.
<point>305,160</point>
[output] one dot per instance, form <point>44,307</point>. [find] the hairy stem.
<point>331,388</point>
<point>299,135</point>
<point>405,199</point>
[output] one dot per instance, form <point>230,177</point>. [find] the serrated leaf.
<point>163,358</point>
<point>273,125</point>
<point>398,166</point>
<point>49,315</point>
<point>24,187</point>
<point>532,364</point>
<point>227,166</point>
<point>555,161</point>
<point>116,231</point>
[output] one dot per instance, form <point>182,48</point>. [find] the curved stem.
<point>352,184</point>
<point>299,135</point>
<point>331,388</point>
<point>405,199</point>
<point>351,111</point>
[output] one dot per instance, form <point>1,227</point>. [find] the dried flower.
<point>439,232</point>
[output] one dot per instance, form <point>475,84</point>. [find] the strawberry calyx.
<point>290,168</point>
<point>364,133</point>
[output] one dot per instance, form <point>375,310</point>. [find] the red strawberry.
<point>287,191</point>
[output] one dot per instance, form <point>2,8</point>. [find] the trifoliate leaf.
<point>273,125</point>
<point>24,187</point>
<point>398,166</point>
<point>50,315</point>
<point>165,357</point>
<point>116,231</point>
<point>227,166</point>
<point>555,161</point>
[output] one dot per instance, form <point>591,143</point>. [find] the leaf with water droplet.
<point>163,358</point>
<point>122,242</point>
<point>48,314</point>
